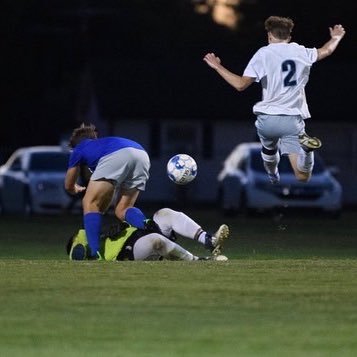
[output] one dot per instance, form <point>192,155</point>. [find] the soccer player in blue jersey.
<point>282,67</point>
<point>118,165</point>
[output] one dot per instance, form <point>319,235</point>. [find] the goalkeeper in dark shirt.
<point>155,241</point>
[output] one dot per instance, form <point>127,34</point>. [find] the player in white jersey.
<point>282,67</point>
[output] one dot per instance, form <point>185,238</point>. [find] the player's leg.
<point>157,244</point>
<point>299,147</point>
<point>301,154</point>
<point>302,164</point>
<point>170,221</point>
<point>95,202</point>
<point>132,175</point>
<point>125,210</point>
<point>269,132</point>
<point>126,199</point>
<point>271,159</point>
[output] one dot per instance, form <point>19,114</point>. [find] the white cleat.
<point>309,143</point>
<point>218,239</point>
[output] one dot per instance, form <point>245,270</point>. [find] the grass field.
<point>289,288</point>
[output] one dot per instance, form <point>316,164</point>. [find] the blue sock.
<point>92,225</point>
<point>135,217</point>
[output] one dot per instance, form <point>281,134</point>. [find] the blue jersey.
<point>89,151</point>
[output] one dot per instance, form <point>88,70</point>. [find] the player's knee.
<point>158,242</point>
<point>303,176</point>
<point>164,212</point>
<point>90,204</point>
<point>87,203</point>
<point>165,216</point>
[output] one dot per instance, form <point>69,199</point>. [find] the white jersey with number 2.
<point>283,70</point>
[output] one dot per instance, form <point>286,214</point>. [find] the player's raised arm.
<point>238,82</point>
<point>337,32</point>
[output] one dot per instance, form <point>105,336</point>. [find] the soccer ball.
<point>182,169</point>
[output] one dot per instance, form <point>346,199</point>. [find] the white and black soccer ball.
<point>182,169</point>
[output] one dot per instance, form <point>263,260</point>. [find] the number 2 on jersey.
<point>290,67</point>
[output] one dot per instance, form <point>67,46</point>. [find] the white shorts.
<point>280,131</point>
<point>127,168</point>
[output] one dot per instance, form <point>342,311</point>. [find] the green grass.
<point>289,288</point>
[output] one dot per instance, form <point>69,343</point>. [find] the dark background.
<point>143,59</point>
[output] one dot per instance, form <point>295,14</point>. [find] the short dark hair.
<point>82,133</point>
<point>280,27</point>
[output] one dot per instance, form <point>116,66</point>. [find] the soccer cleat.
<point>309,143</point>
<point>78,252</point>
<point>218,239</point>
<point>274,178</point>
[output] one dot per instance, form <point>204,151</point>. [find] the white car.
<point>244,185</point>
<point>32,181</point>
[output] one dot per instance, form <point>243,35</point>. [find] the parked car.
<point>244,185</point>
<point>32,181</point>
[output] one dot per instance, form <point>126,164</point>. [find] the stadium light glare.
<point>223,12</point>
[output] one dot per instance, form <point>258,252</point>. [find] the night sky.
<point>143,59</point>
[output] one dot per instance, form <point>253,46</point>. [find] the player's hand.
<point>337,32</point>
<point>78,188</point>
<point>212,60</point>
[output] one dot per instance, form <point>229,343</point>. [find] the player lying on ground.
<point>156,240</point>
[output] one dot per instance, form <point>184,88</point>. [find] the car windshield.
<point>49,161</point>
<point>284,165</point>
